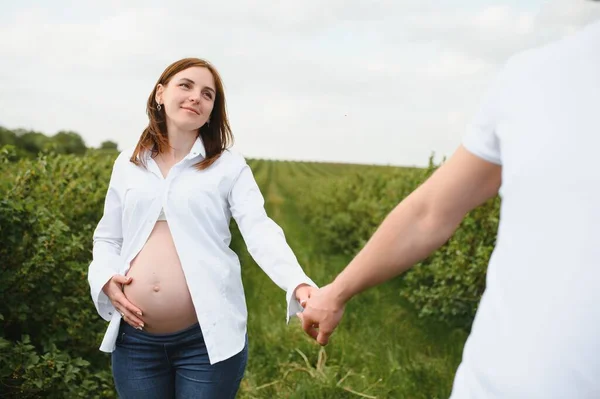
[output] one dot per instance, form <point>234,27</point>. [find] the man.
<point>535,141</point>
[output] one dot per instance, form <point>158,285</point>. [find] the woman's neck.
<point>180,144</point>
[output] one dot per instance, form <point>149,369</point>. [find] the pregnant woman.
<point>162,272</point>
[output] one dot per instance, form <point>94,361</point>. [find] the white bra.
<point>162,215</point>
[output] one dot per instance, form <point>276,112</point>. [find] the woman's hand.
<point>304,292</point>
<point>114,291</point>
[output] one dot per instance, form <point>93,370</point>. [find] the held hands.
<point>304,292</point>
<point>114,291</point>
<point>322,313</point>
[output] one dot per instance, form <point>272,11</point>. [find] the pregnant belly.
<point>158,285</point>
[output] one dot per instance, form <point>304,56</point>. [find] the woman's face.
<point>188,98</point>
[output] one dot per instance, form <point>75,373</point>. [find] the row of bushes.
<point>49,207</point>
<point>345,211</point>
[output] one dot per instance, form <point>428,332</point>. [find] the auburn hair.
<point>216,136</point>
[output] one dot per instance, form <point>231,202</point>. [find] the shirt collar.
<point>198,148</point>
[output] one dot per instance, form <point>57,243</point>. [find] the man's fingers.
<point>323,337</point>
<point>308,326</point>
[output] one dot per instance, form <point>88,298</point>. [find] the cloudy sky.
<point>384,82</point>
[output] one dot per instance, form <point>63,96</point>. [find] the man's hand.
<point>322,313</point>
<point>114,291</point>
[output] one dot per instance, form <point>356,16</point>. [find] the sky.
<point>375,82</point>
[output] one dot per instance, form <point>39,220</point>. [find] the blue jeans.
<point>173,365</point>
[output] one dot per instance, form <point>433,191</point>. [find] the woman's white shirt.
<point>198,206</point>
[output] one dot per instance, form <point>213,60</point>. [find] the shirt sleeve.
<point>265,239</point>
<point>107,241</point>
<point>481,137</point>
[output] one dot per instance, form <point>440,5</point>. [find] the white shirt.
<point>198,206</point>
<point>537,329</point>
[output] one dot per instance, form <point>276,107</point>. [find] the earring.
<point>158,107</point>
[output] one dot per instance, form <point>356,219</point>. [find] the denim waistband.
<point>192,330</point>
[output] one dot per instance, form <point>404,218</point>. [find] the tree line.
<point>30,143</point>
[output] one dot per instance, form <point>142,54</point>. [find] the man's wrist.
<point>340,292</point>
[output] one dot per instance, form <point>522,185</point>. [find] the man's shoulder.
<point>557,52</point>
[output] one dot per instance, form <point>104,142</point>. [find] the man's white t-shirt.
<point>537,329</point>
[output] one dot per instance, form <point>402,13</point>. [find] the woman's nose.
<point>195,97</point>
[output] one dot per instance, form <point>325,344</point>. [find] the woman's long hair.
<point>216,136</point>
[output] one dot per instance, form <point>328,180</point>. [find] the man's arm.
<point>421,223</point>
<point>416,227</point>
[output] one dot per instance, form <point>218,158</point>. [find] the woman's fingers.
<point>120,279</point>
<point>129,313</point>
<point>130,307</point>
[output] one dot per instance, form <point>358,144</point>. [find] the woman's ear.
<point>159,91</point>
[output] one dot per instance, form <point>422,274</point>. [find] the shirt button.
<point>110,313</point>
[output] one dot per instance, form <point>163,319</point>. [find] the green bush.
<point>48,210</point>
<point>345,211</point>
<point>26,373</point>
<point>448,285</point>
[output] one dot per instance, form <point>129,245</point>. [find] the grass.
<point>380,350</point>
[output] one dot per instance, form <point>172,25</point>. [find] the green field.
<point>400,340</point>
<point>381,349</point>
